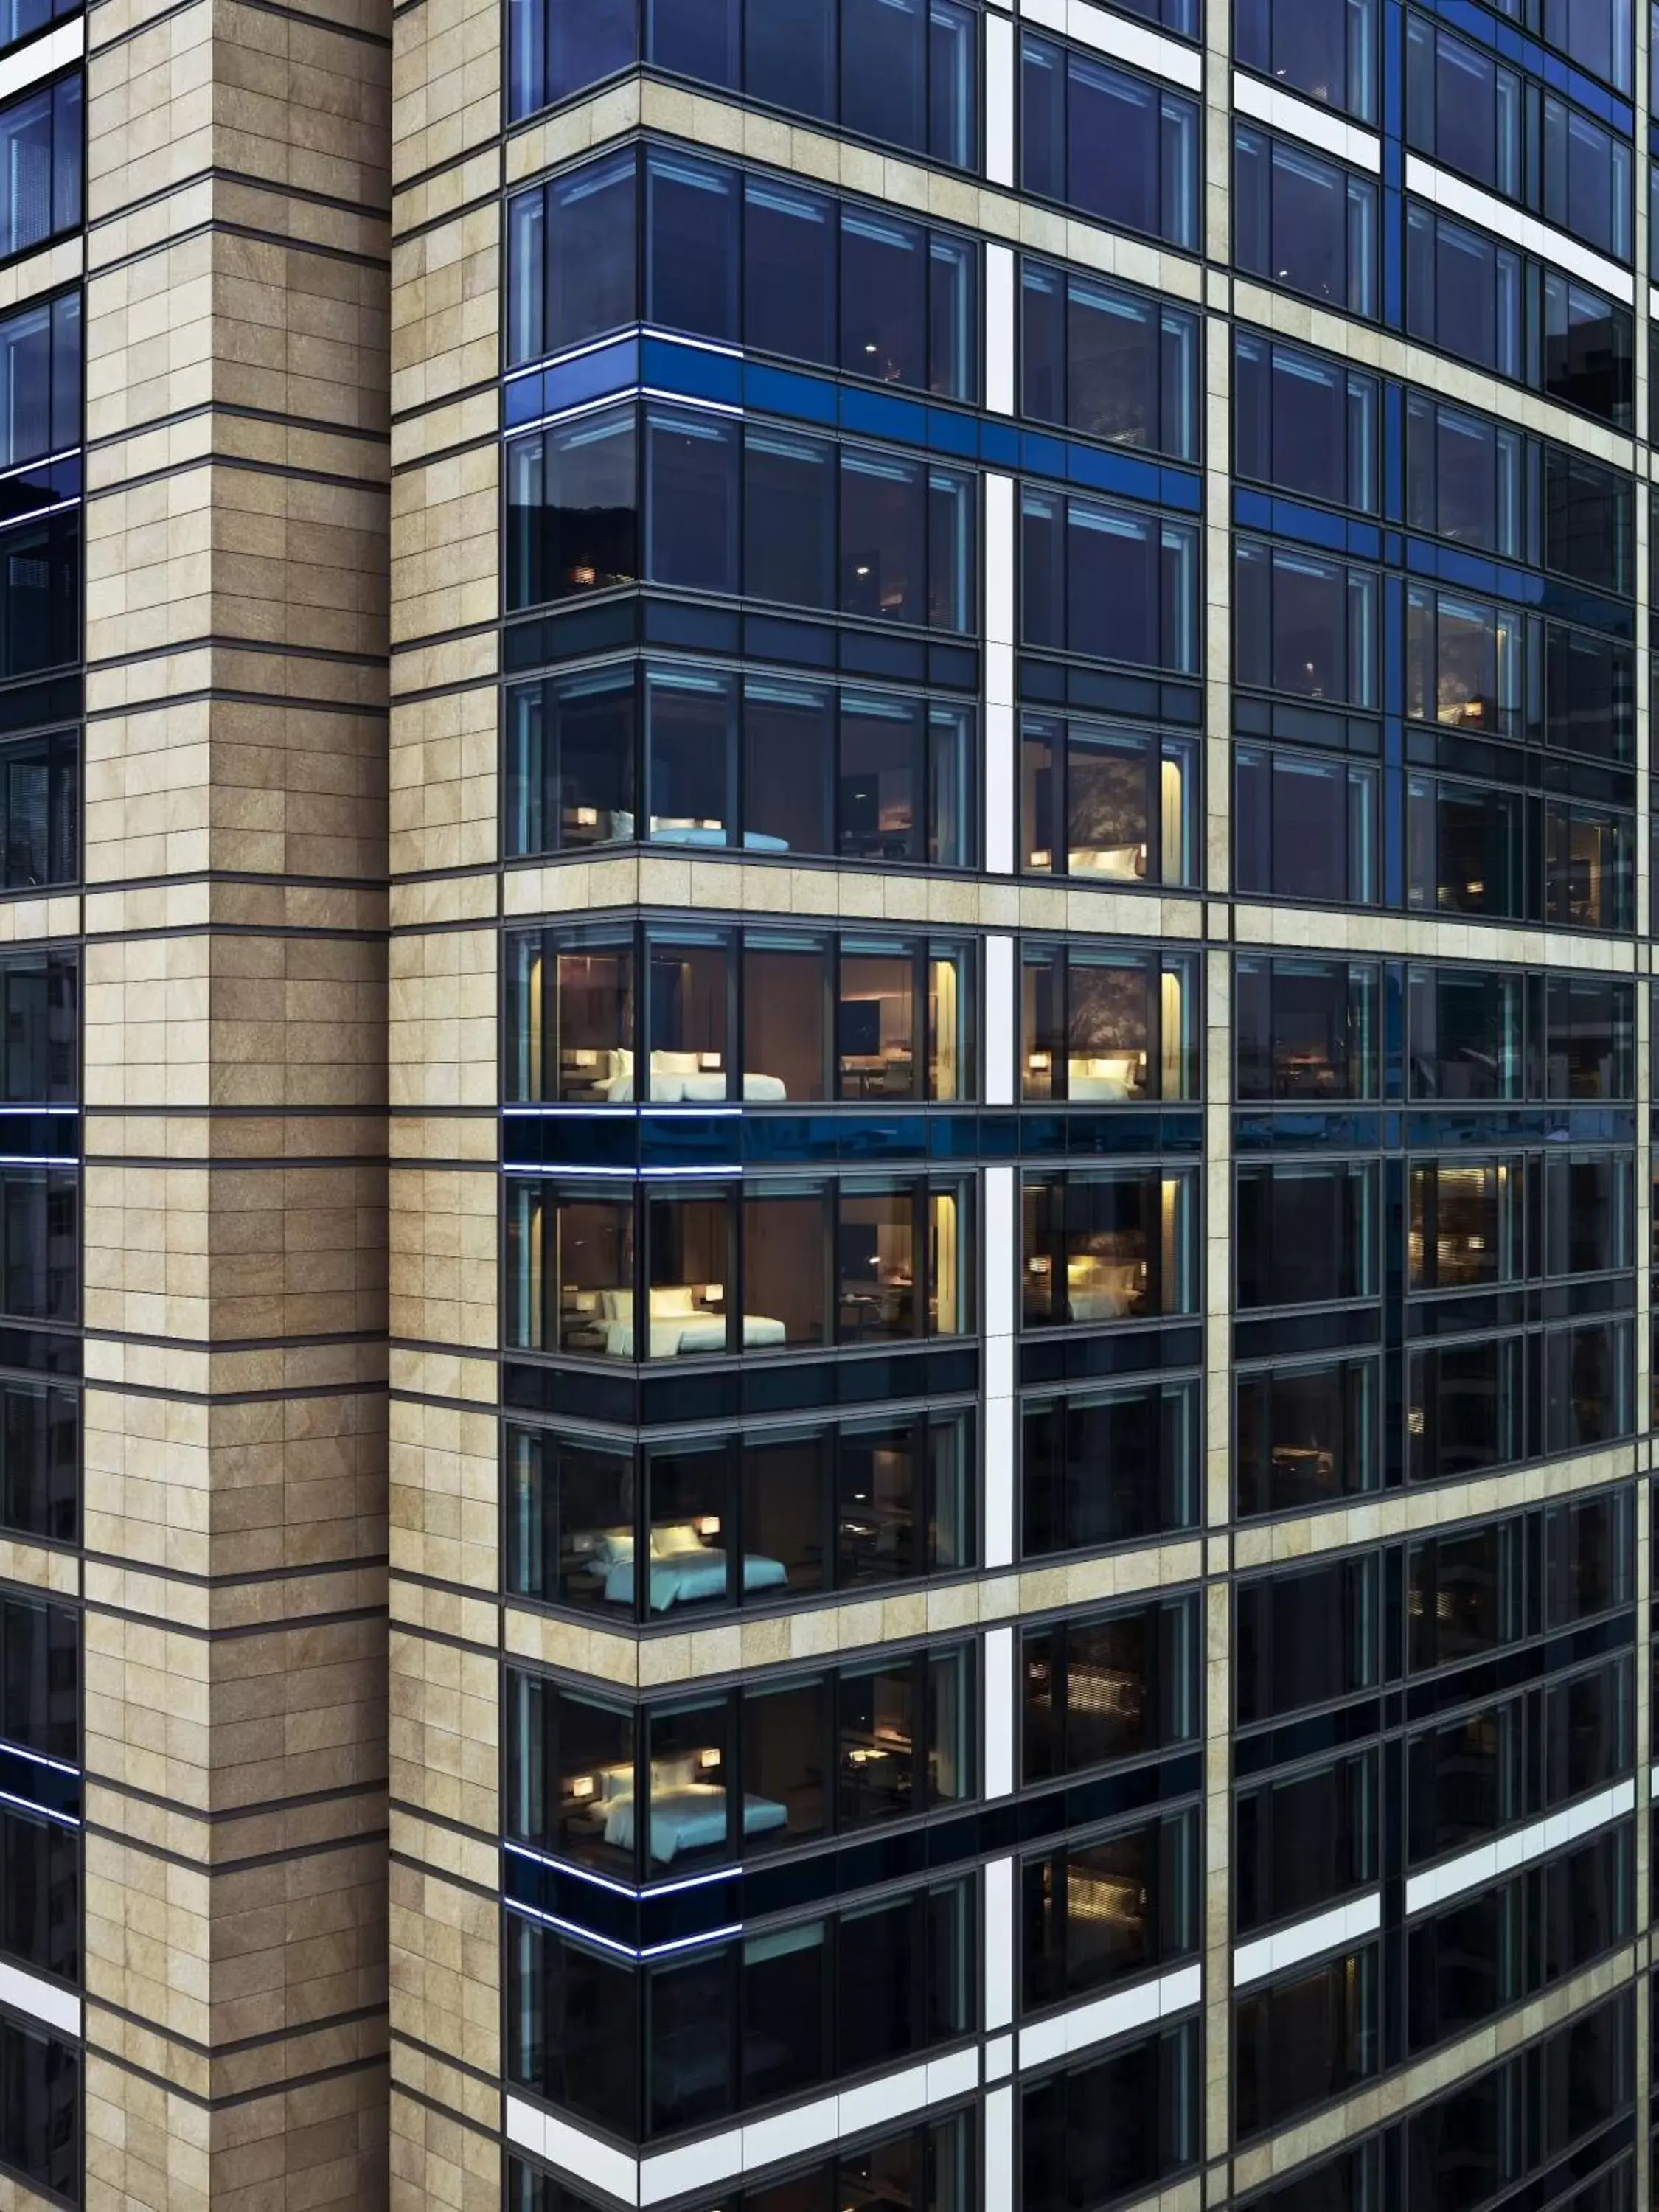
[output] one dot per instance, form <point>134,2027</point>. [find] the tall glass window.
<point>41,151</point>
<point>1110,362</point>
<point>1304,624</point>
<point>40,380</point>
<point>1304,222</point>
<point>1107,805</point>
<point>1305,424</point>
<point>1326,49</point>
<point>1305,827</point>
<point>1117,582</point>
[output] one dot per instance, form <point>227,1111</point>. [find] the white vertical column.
<point>999,100</point>
<point>998,1712</point>
<point>1000,785</point>
<point>997,1892</point>
<point>999,304</point>
<point>1001,1020</point>
<point>999,2163</point>
<point>1001,1233</point>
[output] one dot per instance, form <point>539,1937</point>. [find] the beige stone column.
<point>234,1258</point>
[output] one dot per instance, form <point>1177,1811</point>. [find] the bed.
<point>679,1324</point>
<point>685,1816</point>
<point>1104,1289</point>
<point>618,825</point>
<point>1124,864</point>
<point>678,1078</point>
<point>1105,1075</point>
<point>682,1568</point>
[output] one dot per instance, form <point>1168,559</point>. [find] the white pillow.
<point>617,1305</point>
<point>675,1063</point>
<point>612,1548</point>
<point>672,1537</point>
<point>670,1301</point>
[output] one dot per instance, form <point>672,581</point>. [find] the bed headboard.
<point>668,1775</point>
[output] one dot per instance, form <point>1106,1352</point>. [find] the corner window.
<point>908,73</point>
<point>724,507</point>
<point>775,763</point>
<point>780,1264</point>
<point>743,1521</point>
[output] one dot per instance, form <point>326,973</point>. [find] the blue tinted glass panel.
<point>1463,107</point>
<point>884,533</point>
<point>1463,291</point>
<point>692,500</point>
<point>1324,49</point>
<point>789,55</point>
<point>571,259</point>
<point>40,155</point>
<point>40,594</point>
<point>789,270</point>
<point>1599,34</point>
<point>789,517</point>
<point>553,51</point>
<point>691,246</point>
<point>1117,146</point>
<point>1305,626</point>
<point>696,38</point>
<point>22,19</point>
<point>572,523</point>
<point>884,69</point>
<point>1464,477</point>
<point>884,297</point>
<point>1305,424</point>
<point>40,380</point>
<point>1586,179</point>
<point>1305,222</point>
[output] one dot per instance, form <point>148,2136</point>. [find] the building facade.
<point>826,1240</point>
